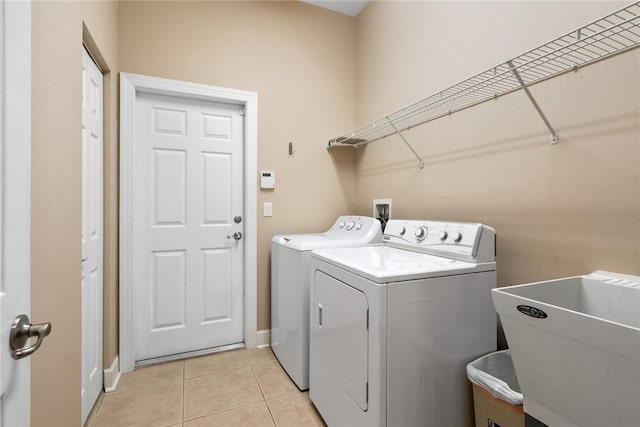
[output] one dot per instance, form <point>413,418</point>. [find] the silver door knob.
<point>21,331</point>
<point>237,235</point>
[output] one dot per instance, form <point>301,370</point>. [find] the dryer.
<point>290,255</point>
<point>393,326</point>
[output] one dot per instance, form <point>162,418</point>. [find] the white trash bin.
<point>497,400</point>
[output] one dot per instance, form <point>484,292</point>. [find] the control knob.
<point>341,225</point>
<point>421,233</point>
<point>350,225</point>
<point>358,226</point>
<point>444,235</point>
<point>402,231</point>
<point>457,237</point>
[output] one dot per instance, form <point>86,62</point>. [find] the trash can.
<point>497,400</point>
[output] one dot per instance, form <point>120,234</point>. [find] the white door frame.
<point>130,85</point>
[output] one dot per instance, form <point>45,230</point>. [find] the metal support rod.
<point>406,142</point>
<point>554,135</point>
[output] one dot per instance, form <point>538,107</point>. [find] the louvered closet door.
<point>188,186</point>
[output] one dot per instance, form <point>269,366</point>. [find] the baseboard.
<point>112,375</point>
<point>263,338</point>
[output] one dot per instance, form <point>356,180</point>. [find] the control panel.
<point>354,226</point>
<point>459,240</point>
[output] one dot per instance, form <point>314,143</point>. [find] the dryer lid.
<point>384,264</point>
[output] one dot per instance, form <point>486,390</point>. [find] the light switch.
<point>268,209</point>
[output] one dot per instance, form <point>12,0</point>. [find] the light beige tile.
<point>159,406</point>
<point>255,415</point>
<point>217,362</point>
<point>294,409</point>
<point>151,376</point>
<point>261,356</point>
<point>273,380</point>
<point>222,390</point>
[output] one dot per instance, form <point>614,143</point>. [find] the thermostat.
<point>267,179</point>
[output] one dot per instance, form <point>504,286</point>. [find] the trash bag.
<point>496,374</point>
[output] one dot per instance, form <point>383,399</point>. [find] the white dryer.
<point>393,326</point>
<point>290,255</point>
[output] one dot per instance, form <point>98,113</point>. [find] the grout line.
<point>271,413</point>
<point>184,369</point>
<point>214,372</point>
<point>255,377</point>
<point>225,410</point>
<point>261,391</point>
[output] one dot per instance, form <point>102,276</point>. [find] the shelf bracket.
<point>406,142</point>
<point>554,135</point>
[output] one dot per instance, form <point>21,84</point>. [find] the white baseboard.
<point>112,375</point>
<point>263,338</point>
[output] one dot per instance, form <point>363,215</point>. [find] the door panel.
<point>343,336</point>
<point>188,187</point>
<point>217,199</point>
<point>169,187</point>
<point>92,236</point>
<point>169,289</point>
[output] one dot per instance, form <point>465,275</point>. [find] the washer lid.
<point>383,264</point>
<point>346,231</point>
<point>308,242</point>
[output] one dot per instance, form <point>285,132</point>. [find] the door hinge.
<point>367,393</point>
<point>367,319</point>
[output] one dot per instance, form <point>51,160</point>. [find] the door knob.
<point>21,331</point>
<point>237,235</point>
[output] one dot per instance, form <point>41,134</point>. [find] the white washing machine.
<point>393,326</point>
<point>290,255</point>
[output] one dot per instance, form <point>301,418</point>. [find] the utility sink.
<point>575,344</point>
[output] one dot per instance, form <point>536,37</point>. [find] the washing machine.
<point>290,255</point>
<point>393,326</point>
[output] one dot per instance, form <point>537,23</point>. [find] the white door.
<point>15,196</point>
<point>92,263</point>
<point>187,225</point>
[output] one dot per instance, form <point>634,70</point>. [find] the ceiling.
<point>346,7</point>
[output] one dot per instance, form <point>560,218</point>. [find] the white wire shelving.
<point>610,35</point>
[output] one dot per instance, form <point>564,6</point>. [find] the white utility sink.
<point>575,344</point>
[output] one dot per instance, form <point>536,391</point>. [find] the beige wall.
<point>558,210</point>
<point>57,29</point>
<point>300,61</point>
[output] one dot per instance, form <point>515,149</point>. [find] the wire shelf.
<point>605,37</point>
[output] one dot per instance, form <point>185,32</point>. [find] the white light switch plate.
<point>268,209</point>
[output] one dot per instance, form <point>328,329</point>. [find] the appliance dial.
<point>402,231</point>
<point>421,233</point>
<point>358,226</point>
<point>350,225</point>
<point>444,235</point>
<point>341,225</point>
<point>457,237</point>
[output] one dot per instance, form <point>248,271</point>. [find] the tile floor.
<point>233,388</point>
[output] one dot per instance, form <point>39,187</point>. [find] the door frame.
<point>130,86</point>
